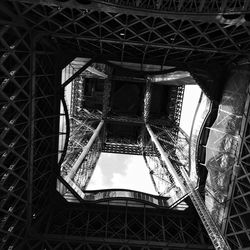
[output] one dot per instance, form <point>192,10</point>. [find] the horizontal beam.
<point>112,241</point>
<point>198,13</point>
<point>147,44</point>
<point>129,79</point>
<point>126,119</point>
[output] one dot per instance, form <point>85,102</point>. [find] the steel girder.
<point>98,226</point>
<point>139,38</point>
<point>29,117</point>
<point>15,129</point>
<point>223,11</point>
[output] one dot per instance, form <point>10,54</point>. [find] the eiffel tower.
<point>84,77</point>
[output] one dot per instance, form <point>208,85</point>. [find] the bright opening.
<point>115,171</point>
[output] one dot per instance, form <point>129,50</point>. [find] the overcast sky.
<point>121,171</point>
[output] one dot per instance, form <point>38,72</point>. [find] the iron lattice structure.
<point>37,40</point>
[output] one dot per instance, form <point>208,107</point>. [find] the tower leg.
<point>168,163</point>
<point>86,149</point>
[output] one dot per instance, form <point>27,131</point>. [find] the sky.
<point>130,172</point>
<point>121,171</point>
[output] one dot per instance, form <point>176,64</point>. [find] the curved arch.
<point>204,118</point>
<point>125,194</point>
<point>204,11</point>
<point>67,130</point>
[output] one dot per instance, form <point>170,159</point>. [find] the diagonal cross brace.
<point>78,72</point>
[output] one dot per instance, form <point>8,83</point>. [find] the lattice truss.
<point>204,6</point>
<point>176,145</point>
<point>82,123</point>
<point>142,36</point>
<point>237,226</point>
<point>30,98</point>
<point>81,131</point>
<point>108,227</point>
<point>28,130</point>
<point>15,122</point>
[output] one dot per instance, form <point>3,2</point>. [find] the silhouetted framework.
<point>29,118</point>
<point>111,227</point>
<point>37,40</point>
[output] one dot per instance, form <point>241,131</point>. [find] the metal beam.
<point>78,72</point>
<point>172,171</point>
<point>87,239</point>
<point>198,12</point>
<point>70,188</point>
<point>129,79</point>
<point>106,97</point>
<point>86,149</point>
<point>147,100</point>
<point>31,131</point>
<point>149,44</point>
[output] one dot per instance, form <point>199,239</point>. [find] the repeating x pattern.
<point>130,37</point>
<point>29,118</point>
<point>14,124</point>
<point>120,227</point>
<point>29,110</point>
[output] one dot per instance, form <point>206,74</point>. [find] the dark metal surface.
<point>183,33</point>
<point>139,38</point>
<point>116,227</point>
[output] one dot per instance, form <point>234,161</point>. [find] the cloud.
<point>121,171</point>
<point>136,176</point>
<point>97,180</point>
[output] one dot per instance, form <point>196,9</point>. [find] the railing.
<point>113,194</point>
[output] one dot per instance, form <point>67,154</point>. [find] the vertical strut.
<point>186,186</point>
<point>86,149</point>
<point>147,100</point>
<point>31,130</point>
<point>106,96</point>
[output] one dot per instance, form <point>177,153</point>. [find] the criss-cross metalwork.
<point>39,38</point>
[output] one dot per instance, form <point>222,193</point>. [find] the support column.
<point>85,151</point>
<point>177,179</point>
<point>31,130</point>
<point>214,233</point>
<point>147,100</point>
<point>106,96</point>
